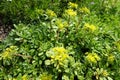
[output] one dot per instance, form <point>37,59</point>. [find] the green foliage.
<point>79,45</point>
<point>22,11</point>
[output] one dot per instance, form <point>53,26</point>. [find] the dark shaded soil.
<point>4,28</point>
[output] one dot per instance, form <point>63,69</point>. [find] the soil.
<point>4,29</point>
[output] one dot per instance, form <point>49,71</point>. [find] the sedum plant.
<point>75,46</point>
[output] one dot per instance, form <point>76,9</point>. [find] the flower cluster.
<point>90,27</point>
<point>39,11</point>
<point>61,24</point>
<point>51,14</point>
<point>59,55</point>
<point>111,58</point>
<point>24,77</point>
<point>72,5</point>
<point>105,73</point>
<point>117,44</point>
<point>84,10</point>
<point>46,76</point>
<point>70,12</point>
<point>9,52</point>
<point>92,57</point>
<point>101,73</point>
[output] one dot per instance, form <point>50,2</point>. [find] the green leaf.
<point>67,70</point>
<point>47,62</point>
<point>80,77</point>
<point>109,78</point>
<point>65,77</point>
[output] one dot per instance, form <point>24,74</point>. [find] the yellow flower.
<point>9,52</point>
<point>59,23</point>
<point>93,57</point>
<point>59,50</point>
<point>6,55</point>
<point>105,73</point>
<point>70,12</point>
<point>72,5</point>
<point>96,57</point>
<point>50,14</point>
<point>111,58</point>
<point>60,54</point>
<point>93,28</point>
<point>46,76</point>
<point>101,73</point>
<point>24,77</point>
<point>13,47</point>
<point>90,27</point>
<point>90,58</point>
<point>65,23</point>
<point>117,44</point>
<point>39,11</point>
<point>84,10</point>
<point>61,57</point>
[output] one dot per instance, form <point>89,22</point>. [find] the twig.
<point>23,56</point>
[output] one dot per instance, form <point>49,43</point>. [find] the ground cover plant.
<point>80,42</point>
